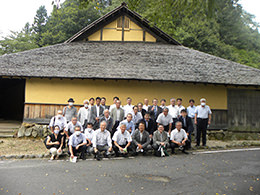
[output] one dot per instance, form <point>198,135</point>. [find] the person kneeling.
<point>55,142</point>
<point>141,140</point>
<point>102,141</point>
<point>122,140</point>
<point>77,144</point>
<point>179,138</point>
<point>160,142</point>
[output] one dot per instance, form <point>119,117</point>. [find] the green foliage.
<point>221,28</point>
<point>18,41</point>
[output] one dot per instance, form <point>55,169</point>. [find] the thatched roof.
<point>123,10</point>
<point>122,60</point>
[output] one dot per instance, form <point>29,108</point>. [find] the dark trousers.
<point>174,121</point>
<point>116,149</point>
<point>114,129</point>
<point>81,151</point>
<point>173,146</point>
<point>202,125</point>
<point>166,128</point>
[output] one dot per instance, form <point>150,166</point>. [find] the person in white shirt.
<point>70,127</point>
<point>163,103</point>
<point>191,113</point>
<point>137,116</point>
<point>202,120</point>
<point>146,104</point>
<point>59,120</point>
<point>128,108</point>
<point>114,105</point>
<point>173,111</point>
<point>77,144</point>
<point>122,140</point>
<point>165,119</point>
<point>179,106</point>
<point>89,133</point>
<point>102,141</point>
<point>178,138</point>
<point>84,114</point>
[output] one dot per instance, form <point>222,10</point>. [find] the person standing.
<point>117,114</point>
<point>136,116</point>
<point>191,113</point>
<point>150,125</point>
<point>108,120</point>
<point>202,120</point>
<point>166,120</point>
<point>140,109</point>
<point>91,102</point>
<point>146,104</point>
<point>59,120</point>
<point>173,111</point>
<point>103,103</point>
<point>130,127</point>
<point>186,125</point>
<point>84,114</point>
<point>70,111</point>
<point>163,103</point>
<point>113,105</point>
<point>96,113</point>
<point>154,110</point>
<point>128,108</point>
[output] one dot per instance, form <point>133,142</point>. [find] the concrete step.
<point>6,135</point>
<point>7,130</point>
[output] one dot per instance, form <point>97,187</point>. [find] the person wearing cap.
<point>70,111</point>
<point>191,113</point>
<point>77,144</point>
<point>122,140</point>
<point>96,113</point>
<point>108,120</point>
<point>84,113</point>
<point>202,120</point>
<point>187,125</point>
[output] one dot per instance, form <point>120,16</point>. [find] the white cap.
<point>85,101</point>
<point>202,100</point>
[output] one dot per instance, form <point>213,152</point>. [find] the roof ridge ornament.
<point>124,4</point>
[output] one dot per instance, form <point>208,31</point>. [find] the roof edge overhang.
<point>130,79</point>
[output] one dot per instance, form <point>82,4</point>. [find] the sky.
<point>15,13</point>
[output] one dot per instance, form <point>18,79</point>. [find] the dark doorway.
<point>12,99</point>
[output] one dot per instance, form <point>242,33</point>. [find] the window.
<point>119,24</point>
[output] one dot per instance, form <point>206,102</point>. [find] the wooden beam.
<point>123,28</point>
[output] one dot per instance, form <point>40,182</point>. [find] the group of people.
<point>131,129</point>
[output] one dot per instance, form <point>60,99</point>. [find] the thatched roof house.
<point>121,54</point>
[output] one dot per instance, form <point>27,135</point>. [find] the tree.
<point>39,25</point>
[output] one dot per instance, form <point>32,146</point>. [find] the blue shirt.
<point>129,125</point>
<point>76,140</point>
<point>191,111</point>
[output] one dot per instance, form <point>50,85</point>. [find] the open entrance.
<point>12,99</point>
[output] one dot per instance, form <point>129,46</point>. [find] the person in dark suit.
<point>108,120</point>
<point>149,124</point>
<point>96,113</point>
<point>141,140</point>
<point>187,125</point>
<point>154,110</point>
<point>140,109</point>
<point>103,103</point>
